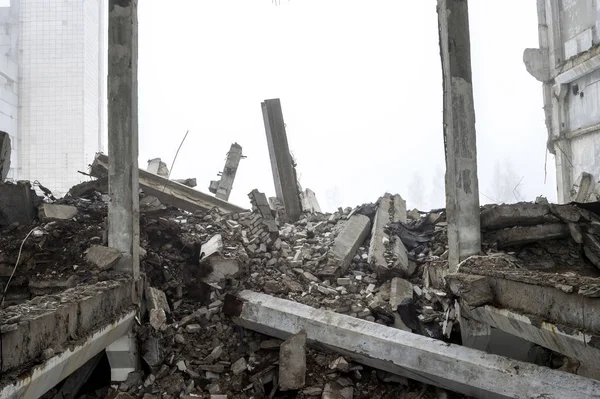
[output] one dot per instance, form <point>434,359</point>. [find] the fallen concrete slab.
<point>568,341</point>
<point>44,377</point>
<point>392,208</point>
<point>448,366</point>
<point>345,245</point>
<point>401,292</point>
<point>292,362</point>
<point>56,212</point>
<point>527,235</point>
<point>170,192</point>
<point>103,257</point>
<point>494,217</point>
<point>474,290</point>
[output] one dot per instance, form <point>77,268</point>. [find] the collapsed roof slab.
<point>568,341</point>
<point>170,192</point>
<point>448,366</point>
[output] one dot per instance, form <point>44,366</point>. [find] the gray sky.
<point>361,90</point>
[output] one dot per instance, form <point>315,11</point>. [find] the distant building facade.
<point>55,74</point>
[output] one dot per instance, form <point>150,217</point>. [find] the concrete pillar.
<point>123,184</point>
<point>284,172</point>
<point>223,190</point>
<point>462,188</point>
<point>5,150</point>
<point>123,357</point>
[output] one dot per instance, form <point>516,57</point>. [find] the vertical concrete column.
<point>228,176</point>
<point>5,150</point>
<point>284,173</point>
<point>462,188</point>
<point>123,182</point>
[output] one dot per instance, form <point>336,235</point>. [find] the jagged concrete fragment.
<point>474,290</point>
<point>583,188</point>
<point>222,188</point>
<point>334,390</point>
<point>496,217</point>
<point>89,188</point>
<point>401,291</point>
<point>591,248</point>
<point>191,182</point>
<point>346,244</point>
<point>103,257</point>
<point>526,235</point>
<point>536,62</point>
<point>5,150</point>
<point>292,362</point>
<point>57,211</point>
<point>156,299</point>
<point>220,267</point>
<point>448,366</point>
<point>309,201</point>
<point>18,203</point>
<point>392,208</point>
<point>158,167</point>
<point>170,192</point>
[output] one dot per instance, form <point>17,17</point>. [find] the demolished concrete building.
<point>152,289</point>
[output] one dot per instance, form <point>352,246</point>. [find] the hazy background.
<point>361,90</point>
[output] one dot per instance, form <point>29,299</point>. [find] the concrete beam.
<point>579,66</point>
<point>5,150</point>
<point>448,366</point>
<point>392,208</point>
<point>225,185</point>
<point>568,341</point>
<point>170,192</point>
<point>40,379</point>
<point>528,234</point>
<point>494,217</point>
<point>123,182</point>
<point>345,245</point>
<point>462,187</point>
<point>282,164</point>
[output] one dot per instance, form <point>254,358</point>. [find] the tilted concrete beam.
<point>170,192</point>
<point>448,366</point>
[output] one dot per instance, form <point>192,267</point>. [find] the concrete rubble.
<point>194,262</point>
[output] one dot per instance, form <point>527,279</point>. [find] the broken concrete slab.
<point>158,167</point>
<point>18,203</point>
<point>474,290</point>
<point>292,362</point>
<point>56,212</point>
<point>103,257</point>
<point>89,188</point>
<point>156,299</point>
<point>309,201</point>
<point>401,291</point>
<point>392,208</point>
<point>448,366</point>
<point>220,267</point>
<point>222,187</point>
<point>158,318</point>
<point>170,192</point>
<point>334,390</point>
<point>5,150</point>
<point>527,235</point>
<point>583,188</point>
<point>345,245</point>
<point>495,217</point>
<point>190,182</point>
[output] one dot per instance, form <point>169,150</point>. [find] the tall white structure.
<point>56,50</point>
<point>568,64</point>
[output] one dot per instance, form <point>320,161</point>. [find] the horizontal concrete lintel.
<point>173,193</point>
<point>572,343</point>
<point>583,131</point>
<point>449,366</point>
<point>44,377</point>
<point>579,67</point>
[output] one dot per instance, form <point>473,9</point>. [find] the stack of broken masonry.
<point>376,262</point>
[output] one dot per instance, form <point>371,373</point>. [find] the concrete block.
<point>220,266</point>
<point>158,167</point>
<point>309,201</point>
<point>474,290</point>
<point>495,217</point>
<point>103,257</point>
<point>452,367</point>
<point>527,235</point>
<point>57,211</point>
<point>5,150</point>
<point>346,244</point>
<point>334,390</point>
<point>401,291</point>
<point>292,362</point>
<point>392,208</point>
<point>156,299</point>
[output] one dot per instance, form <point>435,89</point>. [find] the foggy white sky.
<point>361,90</point>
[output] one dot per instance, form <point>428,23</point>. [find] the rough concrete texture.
<point>583,188</point>
<point>344,247</point>
<point>292,362</point>
<point>51,322</point>
<point>401,291</point>
<point>445,365</point>
<point>156,299</point>
<point>219,266</point>
<point>309,201</point>
<point>5,149</point>
<point>103,257</point>
<point>225,184</point>
<point>392,208</point>
<point>334,390</point>
<point>158,167</point>
<point>474,290</point>
<point>56,211</point>
<point>462,187</point>
<point>494,217</point>
<point>528,234</point>
<point>18,203</point>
